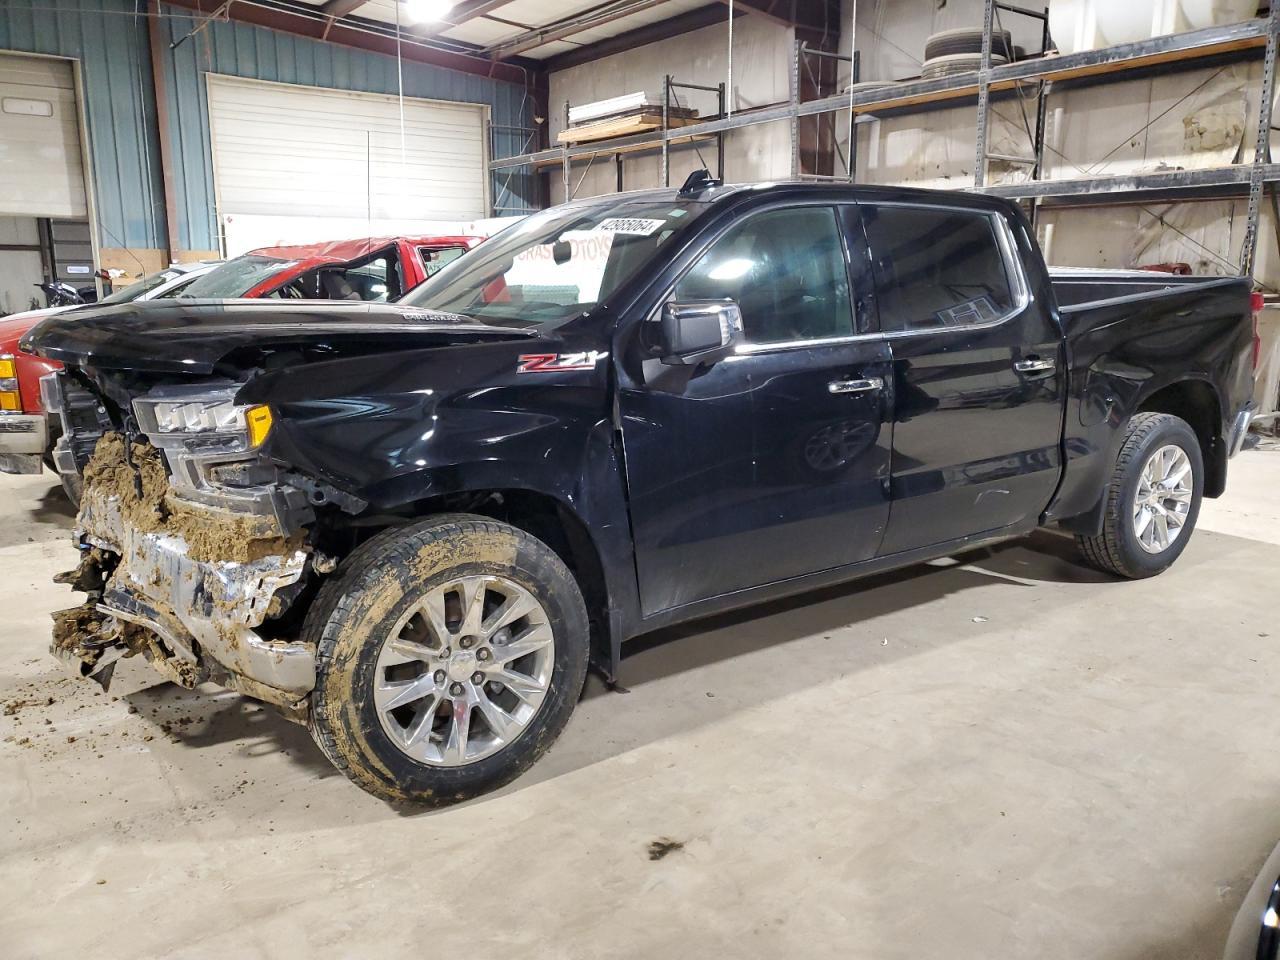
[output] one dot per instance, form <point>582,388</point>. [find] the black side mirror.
<point>699,331</point>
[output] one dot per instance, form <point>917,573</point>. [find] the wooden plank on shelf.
<point>1070,69</point>
<point>630,148</point>
<point>645,122</point>
<point>933,96</point>
<point>1151,59</point>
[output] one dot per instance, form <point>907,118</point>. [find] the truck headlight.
<point>198,416</point>
<point>209,417</point>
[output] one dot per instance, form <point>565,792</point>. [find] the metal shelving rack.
<point>663,139</point>
<point>1174,51</point>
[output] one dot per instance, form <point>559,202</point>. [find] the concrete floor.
<point>1007,756</point>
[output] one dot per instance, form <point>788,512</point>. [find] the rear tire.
<point>1146,524</point>
<point>410,699</point>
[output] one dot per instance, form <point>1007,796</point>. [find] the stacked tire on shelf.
<point>953,52</point>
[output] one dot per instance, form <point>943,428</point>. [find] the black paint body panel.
<point>704,489</point>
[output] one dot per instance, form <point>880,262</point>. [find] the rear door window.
<point>936,267</point>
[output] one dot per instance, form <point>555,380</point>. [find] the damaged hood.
<point>191,336</point>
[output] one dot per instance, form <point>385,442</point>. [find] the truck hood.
<point>191,336</point>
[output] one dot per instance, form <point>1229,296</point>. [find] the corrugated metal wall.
<point>244,50</point>
<point>110,40</point>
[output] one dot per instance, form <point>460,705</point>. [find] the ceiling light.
<point>428,11</point>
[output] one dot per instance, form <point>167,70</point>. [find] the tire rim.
<point>1162,502</point>
<point>464,672</point>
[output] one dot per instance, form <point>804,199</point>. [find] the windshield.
<point>144,286</point>
<point>236,277</point>
<point>554,265</point>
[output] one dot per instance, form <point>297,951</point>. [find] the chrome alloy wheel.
<point>464,671</point>
<point>1163,499</point>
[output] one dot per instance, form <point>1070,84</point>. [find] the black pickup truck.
<point>414,527</point>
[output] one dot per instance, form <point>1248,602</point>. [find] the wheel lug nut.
<point>477,677</point>
<point>439,676</point>
<point>465,642</point>
<point>444,653</point>
<point>483,654</point>
<point>456,689</point>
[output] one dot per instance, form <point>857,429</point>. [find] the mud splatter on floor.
<point>663,847</point>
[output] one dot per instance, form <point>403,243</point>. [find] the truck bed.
<point>1078,286</point>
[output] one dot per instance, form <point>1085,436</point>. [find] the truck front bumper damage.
<point>194,619</point>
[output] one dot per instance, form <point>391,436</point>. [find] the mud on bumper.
<point>198,618</point>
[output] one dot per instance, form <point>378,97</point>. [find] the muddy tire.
<point>1153,499</point>
<point>450,654</point>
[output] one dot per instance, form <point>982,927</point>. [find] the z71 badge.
<point>555,362</point>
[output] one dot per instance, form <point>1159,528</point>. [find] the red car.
<point>372,269</point>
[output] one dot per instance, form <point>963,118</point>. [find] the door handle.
<point>855,386</point>
<point>1034,365</point>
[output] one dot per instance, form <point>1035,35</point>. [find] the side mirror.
<point>699,331</point>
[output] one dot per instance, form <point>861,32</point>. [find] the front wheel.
<point>450,654</point>
<point>1153,499</point>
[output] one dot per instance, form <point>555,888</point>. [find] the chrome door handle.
<point>855,386</point>
<point>1034,365</point>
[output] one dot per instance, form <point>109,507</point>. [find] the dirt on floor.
<point>142,488</point>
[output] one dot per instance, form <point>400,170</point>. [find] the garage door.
<point>281,149</point>
<point>41,170</point>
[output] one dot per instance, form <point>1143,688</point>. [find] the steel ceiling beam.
<point>364,35</point>
<point>597,16</point>
<point>813,20</point>
<point>459,14</point>
<point>340,8</point>
<point>710,15</point>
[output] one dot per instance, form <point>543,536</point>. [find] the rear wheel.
<point>450,656</point>
<point>1153,499</point>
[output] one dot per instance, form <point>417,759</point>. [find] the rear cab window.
<point>434,258</point>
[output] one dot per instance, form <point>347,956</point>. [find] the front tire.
<point>1153,499</point>
<point>450,654</point>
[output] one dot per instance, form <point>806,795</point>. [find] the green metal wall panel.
<point>109,38</point>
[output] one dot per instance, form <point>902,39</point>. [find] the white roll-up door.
<point>41,169</point>
<point>286,150</point>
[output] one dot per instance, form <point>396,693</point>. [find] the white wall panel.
<point>41,170</point>
<point>290,150</point>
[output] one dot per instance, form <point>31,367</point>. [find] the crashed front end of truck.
<point>193,548</point>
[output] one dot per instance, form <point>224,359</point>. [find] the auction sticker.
<point>634,226</point>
